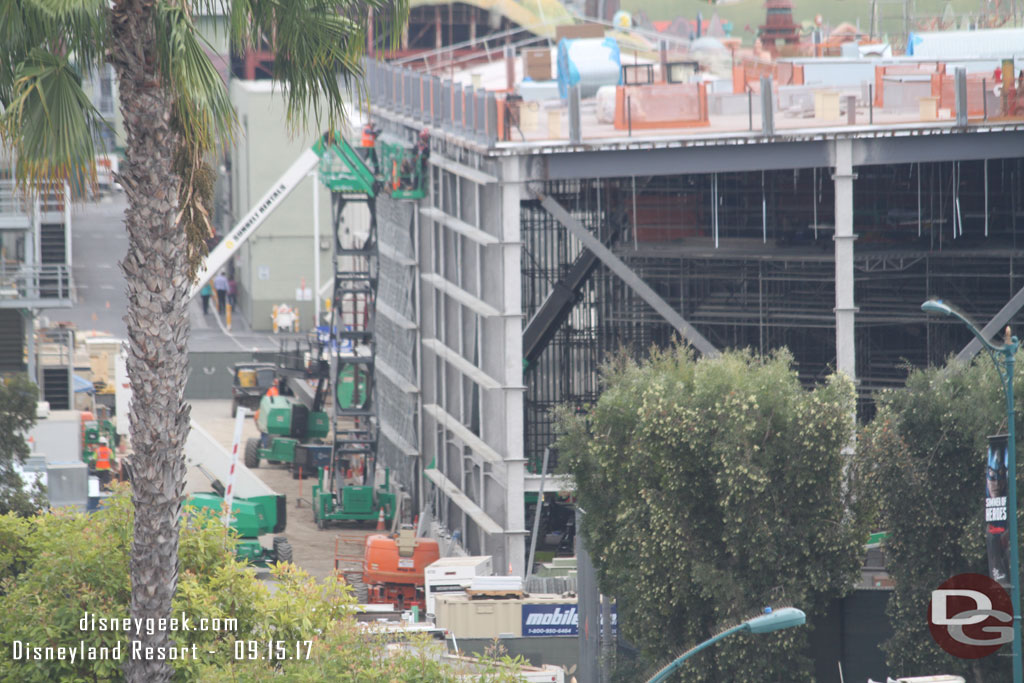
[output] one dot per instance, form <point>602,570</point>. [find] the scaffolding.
<point>748,259</point>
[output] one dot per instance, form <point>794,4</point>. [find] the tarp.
<point>589,62</point>
<point>82,384</point>
<point>997,43</point>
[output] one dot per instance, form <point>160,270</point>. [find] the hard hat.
<point>424,134</point>
<point>103,441</point>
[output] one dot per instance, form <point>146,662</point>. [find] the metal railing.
<point>35,283</point>
<point>52,199</point>
<point>15,201</point>
<point>488,117</point>
<point>431,101</point>
<point>10,201</point>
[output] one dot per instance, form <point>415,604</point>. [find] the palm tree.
<point>176,110</point>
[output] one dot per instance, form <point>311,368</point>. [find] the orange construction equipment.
<point>380,521</point>
<point>393,567</point>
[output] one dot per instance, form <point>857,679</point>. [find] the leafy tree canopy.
<point>56,567</point>
<point>923,459</point>
<point>712,488</point>
<point>17,415</point>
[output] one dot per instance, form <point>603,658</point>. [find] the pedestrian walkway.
<point>210,333</point>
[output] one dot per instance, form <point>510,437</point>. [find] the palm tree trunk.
<point>158,330</point>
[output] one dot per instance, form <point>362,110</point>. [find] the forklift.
<point>346,489</point>
<point>249,382</point>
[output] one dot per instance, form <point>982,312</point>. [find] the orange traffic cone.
<point>380,520</point>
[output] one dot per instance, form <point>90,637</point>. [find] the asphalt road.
<point>314,548</point>
<point>99,243</point>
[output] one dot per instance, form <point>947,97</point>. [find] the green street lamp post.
<point>767,622</point>
<point>1003,358</point>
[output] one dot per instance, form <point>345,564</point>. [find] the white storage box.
<point>453,575</point>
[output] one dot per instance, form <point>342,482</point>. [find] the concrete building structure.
<point>559,247</point>
<point>35,275</point>
<point>101,87</point>
<point>277,261</point>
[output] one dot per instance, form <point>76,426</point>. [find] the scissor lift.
<point>346,490</point>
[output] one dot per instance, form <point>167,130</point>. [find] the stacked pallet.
<point>495,587</point>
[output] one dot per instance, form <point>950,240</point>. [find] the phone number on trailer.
<point>275,650</point>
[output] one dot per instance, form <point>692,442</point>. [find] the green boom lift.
<point>291,432</point>
<point>347,490</point>
<point>256,509</point>
<point>251,518</point>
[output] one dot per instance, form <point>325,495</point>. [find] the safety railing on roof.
<point>52,199</point>
<point>25,283</point>
<point>438,103</point>
<point>10,201</point>
<point>763,102</point>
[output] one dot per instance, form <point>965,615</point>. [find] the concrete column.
<point>512,376</point>
<point>767,107</point>
<point>843,175</point>
<point>575,127</point>
<point>67,226</point>
<point>663,59</point>
<point>29,317</point>
<point>510,68</point>
<point>960,91</point>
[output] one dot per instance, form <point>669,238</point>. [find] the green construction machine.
<point>251,518</point>
<point>352,502</point>
<point>291,433</point>
<point>94,429</point>
<point>256,509</point>
<point>389,167</point>
<point>351,489</point>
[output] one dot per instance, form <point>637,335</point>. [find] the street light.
<point>786,617</point>
<point>1003,358</point>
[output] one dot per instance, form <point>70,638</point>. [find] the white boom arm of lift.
<point>244,229</point>
<point>204,452</point>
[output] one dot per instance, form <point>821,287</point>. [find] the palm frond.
<point>12,46</point>
<point>313,47</point>
<point>392,14</point>
<point>202,106</point>
<point>318,46</point>
<point>77,28</point>
<point>195,195</point>
<point>49,122</point>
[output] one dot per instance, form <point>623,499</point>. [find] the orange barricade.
<point>902,69</point>
<point>661,105</point>
<point>944,87</point>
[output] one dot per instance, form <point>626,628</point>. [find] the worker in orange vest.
<point>272,391</point>
<point>370,134</point>
<point>368,145</point>
<point>103,457</point>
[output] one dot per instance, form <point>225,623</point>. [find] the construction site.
<point>515,203</point>
<point>535,257</point>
